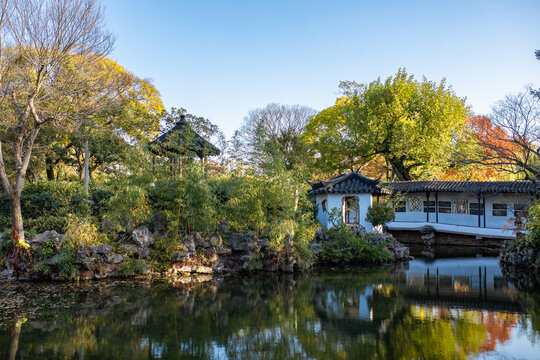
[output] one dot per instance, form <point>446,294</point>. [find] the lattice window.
<point>416,204</point>
<point>461,206</point>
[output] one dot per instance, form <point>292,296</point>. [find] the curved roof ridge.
<point>352,182</point>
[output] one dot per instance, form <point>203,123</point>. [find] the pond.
<point>437,309</point>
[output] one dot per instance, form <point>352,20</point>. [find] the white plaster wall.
<point>495,222</point>
<point>322,216</point>
<point>336,201</point>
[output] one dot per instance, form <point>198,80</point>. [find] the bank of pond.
<point>449,308</point>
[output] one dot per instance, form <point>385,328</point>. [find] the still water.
<point>441,309</point>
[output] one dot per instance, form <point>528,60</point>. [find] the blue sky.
<point>219,59</point>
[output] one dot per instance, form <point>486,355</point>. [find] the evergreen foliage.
<point>380,213</point>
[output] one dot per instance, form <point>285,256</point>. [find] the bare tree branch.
<point>510,137</point>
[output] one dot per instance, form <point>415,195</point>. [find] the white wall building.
<point>481,208</point>
<point>351,194</point>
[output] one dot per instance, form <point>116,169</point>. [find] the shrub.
<point>162,255</point>
<point>81,232</point>
<point>341,243</point>
<point>63,259</point>
<point>132,267</point>
<point>45,205</point>
<point>127,208</point>
<point>46,222</point>
<point>54,197</point>
<point>380,213</point>
<point>532,239</point>
<point>100,197</point>
<point>6,243</point>
<point>198,205</point>
<point>65,262</point>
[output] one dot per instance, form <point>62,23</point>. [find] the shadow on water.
<point>436,309</point>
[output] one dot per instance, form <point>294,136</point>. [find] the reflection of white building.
<point>484,208</point>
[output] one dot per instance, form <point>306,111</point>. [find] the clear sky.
<point>219,59</point>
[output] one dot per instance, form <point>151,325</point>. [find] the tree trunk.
<point>16,216</point>
<point>50,169</point>
<point>400,170</point>
<point>14,335</point>
<point>86,165</point>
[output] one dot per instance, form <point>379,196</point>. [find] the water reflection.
<point>443,309</point>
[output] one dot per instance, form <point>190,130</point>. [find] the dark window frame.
<point>473,209</point>
<point>520,210</point>
<point>499,209</point>
<point>346,212</point>
<point>429,206</point>
<point>446,207</point>
<point>400,206</point>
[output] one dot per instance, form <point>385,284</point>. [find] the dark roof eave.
<point>482,187</point>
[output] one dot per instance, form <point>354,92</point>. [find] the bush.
<point>532,239</point>
<point>100,197</point>
<point>162,255</point>
<point>198,205</point>
<point>82,232</point>
<point>45,205</point>
<point>131,267</point>
<point>47,222</point>
<point>380,213</point>
<point>63,259</point>
<point>341,244</point>
<point>54,197</point>
<point>127,208</point>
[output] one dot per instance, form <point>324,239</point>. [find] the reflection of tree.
<point>498,328</point>
<point>313,316</point>
<point>420,334</point>
<point>14,335</point>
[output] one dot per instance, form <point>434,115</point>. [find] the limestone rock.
<point>44,236</point>
<point>142,236</point>
<point>144,253</point>
<point>225,251</point>
<point>359,230</point>
<point>288,267</point>
<point>203,270</point>
<point>101,249</point>
<point>129,248</point>
<point>215,241</point>
<point>6,275</point>
<point>114,258</point>
<point>181,256</point>
<point>427,229</point>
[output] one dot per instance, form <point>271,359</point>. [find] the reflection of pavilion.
<point>462,285</point>
<point>465,283</point>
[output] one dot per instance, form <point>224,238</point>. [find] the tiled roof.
<point>346,184</point>
<point>187,138</point>
<point>524,187</point>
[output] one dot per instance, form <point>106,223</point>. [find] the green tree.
<point>412,124</point>
<point>132,111</point>
<point>380,213</point>
<point>51,43</point>
<point>271,138</point>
